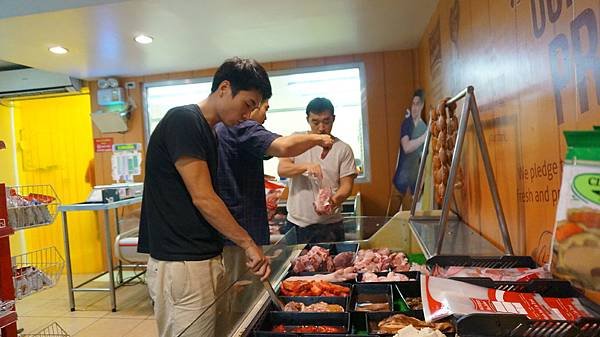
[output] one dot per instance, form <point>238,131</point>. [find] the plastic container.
<point>373,293</point>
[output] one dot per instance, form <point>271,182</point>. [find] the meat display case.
<point>243,305</point>
<point>243,300</point>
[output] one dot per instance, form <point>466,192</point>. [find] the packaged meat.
<point>496,274</point>
<point>444,297</point>
<point>576,236</point>
<point>323,204</point>
<point>322,192</point>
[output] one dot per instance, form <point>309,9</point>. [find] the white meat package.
<point>444,297</point>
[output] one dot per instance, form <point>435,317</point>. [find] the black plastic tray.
<point>478,325</point>
<point>308,300</point>
<point>372,318</point>
<point>506,261</point>
<point>544,287</point>
<point>382,290</point>
<point>412,275</point>
<point>272,319</point>
<point>402,290</point>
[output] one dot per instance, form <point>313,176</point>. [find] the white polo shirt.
<point>339,163</point>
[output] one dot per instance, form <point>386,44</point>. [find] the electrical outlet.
<point>130,85</point>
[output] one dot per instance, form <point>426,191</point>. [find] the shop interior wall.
<point>7,164</point>
<point>390,78</point>
<point>534,65</point>
<point>53,140</point>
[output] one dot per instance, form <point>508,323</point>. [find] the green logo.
<point>587,187</point>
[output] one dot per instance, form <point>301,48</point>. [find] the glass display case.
<point>243,297</point>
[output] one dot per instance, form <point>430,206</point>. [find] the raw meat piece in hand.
<point>323,204</point>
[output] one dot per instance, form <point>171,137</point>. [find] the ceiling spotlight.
<point>143,39</point>
<point>58,50</point>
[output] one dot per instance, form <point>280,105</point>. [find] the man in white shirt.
<point>337,171</point>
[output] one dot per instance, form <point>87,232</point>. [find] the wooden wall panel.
<point>532,70</point>
<point>390,77</point>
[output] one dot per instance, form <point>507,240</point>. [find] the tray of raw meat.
<point>380,260</point>
<point>324,258</point>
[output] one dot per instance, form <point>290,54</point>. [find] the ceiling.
<point>200,34</point>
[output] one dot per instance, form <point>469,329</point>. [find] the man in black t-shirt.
<point>182,215</point>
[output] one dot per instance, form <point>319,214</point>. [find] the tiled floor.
<point>93,317</point>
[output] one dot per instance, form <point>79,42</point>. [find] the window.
<point>342,84</point>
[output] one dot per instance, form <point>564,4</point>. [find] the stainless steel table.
<point>112,285</point>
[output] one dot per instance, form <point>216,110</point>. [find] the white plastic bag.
<point>444,297</point>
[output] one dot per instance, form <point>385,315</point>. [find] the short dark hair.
<point>319,105</point>
<point>243,74</point>
<point>419,93</point>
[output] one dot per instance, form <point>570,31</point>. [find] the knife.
<point>272,294</point>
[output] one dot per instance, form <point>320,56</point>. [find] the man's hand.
<point>257,262</point>
<point>314,170</point>
<point>326,144</point>
<point>336,200</point>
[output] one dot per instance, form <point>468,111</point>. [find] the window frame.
<point>365,178</point>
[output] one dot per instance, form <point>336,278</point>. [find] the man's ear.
<point>224,87</point>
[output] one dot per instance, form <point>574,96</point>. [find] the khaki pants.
<point>182,291</point>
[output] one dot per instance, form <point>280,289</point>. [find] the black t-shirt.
<point>171,227</point>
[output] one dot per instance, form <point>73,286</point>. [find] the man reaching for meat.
<point>337,170</point>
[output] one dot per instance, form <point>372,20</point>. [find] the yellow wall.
<point>7,172</point>
<point>55,146</point>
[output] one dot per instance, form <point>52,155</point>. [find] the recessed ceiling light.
<point>143,39</point>
<point>58,50</point>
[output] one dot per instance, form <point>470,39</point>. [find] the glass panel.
<point>241,291</point>
<point>459,239</point>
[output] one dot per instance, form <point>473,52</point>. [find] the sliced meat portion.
<point>294,306</point>
<point>343,260</point>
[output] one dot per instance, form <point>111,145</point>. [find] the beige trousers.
<point>182,291</point>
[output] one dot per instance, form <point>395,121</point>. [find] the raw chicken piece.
<point>399,262</point>
<point>390,277</point>
<point>311,261</point>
